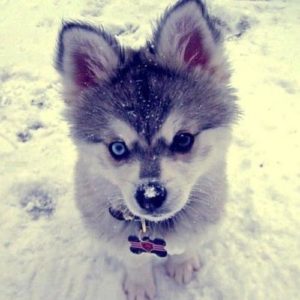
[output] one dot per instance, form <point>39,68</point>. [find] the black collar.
<point>163,226</point>
<point>120,216</point>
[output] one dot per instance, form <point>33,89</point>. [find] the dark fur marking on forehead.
<point>147,109</point>
<point>143,93</point>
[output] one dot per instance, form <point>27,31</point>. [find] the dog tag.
<point>146,245</point>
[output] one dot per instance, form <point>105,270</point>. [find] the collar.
<point>120,215</point>
<point>128,217</point>
<point>161,227</point>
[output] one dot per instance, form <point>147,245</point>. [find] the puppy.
<point>152,127</point>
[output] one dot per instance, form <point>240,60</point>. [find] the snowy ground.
<point>44,251</point>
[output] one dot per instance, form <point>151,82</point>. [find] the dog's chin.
<point>160,215</point>
<point>156,216</point>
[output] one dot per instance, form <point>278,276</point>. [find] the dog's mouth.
<point>157,216</point>
<point>123,213</point>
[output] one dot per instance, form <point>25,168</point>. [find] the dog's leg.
<point>139,281</point>
<point>182,267</point>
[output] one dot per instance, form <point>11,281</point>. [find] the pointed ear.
<point>187,39</point>
<point>85,56</point>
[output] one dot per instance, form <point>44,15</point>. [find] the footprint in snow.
<point>38,202</point>
<point>40,102</point>
<point>26,135</point>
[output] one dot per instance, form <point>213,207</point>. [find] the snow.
<point>150,192</point>
<point>45,251</point>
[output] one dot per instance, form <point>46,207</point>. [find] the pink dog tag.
<point>146,245</point>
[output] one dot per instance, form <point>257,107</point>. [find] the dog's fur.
<point>178,82</point>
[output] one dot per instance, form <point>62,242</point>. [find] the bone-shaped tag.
<point>146,245</point>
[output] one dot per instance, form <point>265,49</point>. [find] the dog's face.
<point>151,121</point>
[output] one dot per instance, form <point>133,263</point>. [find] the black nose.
<point>151,196</point>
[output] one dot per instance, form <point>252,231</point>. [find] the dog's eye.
<point>118,150</point>
<point>182,142</point>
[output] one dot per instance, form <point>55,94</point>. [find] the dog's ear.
<point>85,56</point>
<point>188,39</point>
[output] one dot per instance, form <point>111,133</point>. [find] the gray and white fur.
<point>177,83</point>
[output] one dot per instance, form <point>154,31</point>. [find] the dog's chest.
<point>175,249</point>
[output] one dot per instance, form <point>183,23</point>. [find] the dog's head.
<point>154,120</point>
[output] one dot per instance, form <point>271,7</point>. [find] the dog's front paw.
<point>139,287</point>
<point>182,267</point>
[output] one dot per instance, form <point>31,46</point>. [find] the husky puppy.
<point>152,127</point>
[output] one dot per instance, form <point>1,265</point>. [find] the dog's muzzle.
<point>150,196</point>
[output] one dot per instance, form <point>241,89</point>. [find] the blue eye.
<point>118,150</point>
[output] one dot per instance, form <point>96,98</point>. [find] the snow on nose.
<point>151,195</point>
<point>150,192</point>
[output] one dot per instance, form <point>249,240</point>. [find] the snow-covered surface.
<point>45,253</point>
